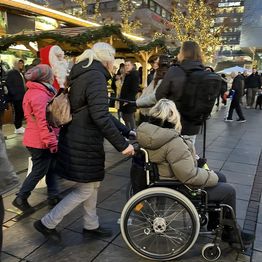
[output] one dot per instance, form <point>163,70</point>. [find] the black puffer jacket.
<point>81,154</point>
<point>172,88</point>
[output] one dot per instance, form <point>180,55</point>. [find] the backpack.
<point>58,109</point>
<point>199,95</point>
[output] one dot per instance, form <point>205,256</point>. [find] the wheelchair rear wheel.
<point>159,224</point>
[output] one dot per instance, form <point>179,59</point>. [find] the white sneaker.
<point>20,130</point>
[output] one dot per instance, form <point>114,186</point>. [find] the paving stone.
<point>257,256</point>
<point>215,164</point>
<point>115,202</point>
<point>241,208</point>
<point>22,239</point>
<point>216,156</point>
<point>107,219</point>
<point>241,168</point>
<point>258,240</point>
<point>121,170</point>
<point>194,255</point>
<point>238,177</point>
<point>73,247</point>
<point>242,191</point>
<point>8,258</point>
<point>260,214</point>
<point>110,185</point>
<point>219,149</point>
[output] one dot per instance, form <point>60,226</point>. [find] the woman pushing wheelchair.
<point>175,159</point>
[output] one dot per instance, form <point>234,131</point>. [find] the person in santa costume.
<point>54,56</point>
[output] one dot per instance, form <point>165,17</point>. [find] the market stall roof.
<point>76,40</point>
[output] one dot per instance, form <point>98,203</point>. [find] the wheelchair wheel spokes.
<point>162,225</point>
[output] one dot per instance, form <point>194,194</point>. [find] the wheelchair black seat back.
<point>162,219</point>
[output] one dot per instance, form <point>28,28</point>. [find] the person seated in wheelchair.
<point>176,159</point>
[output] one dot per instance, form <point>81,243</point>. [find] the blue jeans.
<point>43,165</point>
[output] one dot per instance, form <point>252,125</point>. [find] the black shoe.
<point>231,237</point>
<point>241,120</point>
<point>48,233</point>
<point>99,232</point>
<point>23,205</point>
<point>53,201</point>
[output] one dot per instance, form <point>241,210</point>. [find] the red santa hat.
<point>48,56</point>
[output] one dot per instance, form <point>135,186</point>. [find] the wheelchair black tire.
<point>170,195</point>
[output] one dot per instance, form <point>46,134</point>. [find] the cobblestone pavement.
<point>232,148</point>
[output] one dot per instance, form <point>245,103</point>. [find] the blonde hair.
<point>101,52</point>
<point>166,110</point>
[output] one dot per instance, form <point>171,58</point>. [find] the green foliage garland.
<point>81,39</point>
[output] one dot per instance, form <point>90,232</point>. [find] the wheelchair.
<point>162,222</point>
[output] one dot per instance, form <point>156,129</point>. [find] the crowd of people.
<point>75,152</point>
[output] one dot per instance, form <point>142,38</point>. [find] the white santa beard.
<point>60,71</point>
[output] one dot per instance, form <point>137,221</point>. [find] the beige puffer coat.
<point>174,156</point>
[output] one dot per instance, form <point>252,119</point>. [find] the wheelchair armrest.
<point>168,183</point>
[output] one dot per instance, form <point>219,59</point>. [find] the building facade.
<point>230,15</point>
<point>154,15</point>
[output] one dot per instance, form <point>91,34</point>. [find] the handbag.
<point>58,110</point>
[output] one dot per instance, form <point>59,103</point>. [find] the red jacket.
<point>37,133</point>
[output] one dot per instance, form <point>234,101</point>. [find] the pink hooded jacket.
<point>37,133</point>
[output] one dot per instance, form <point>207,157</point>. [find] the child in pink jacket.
<point>39,138</point>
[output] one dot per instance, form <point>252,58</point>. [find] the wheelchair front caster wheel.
<point>211,252</point>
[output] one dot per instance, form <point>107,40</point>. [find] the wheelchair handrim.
<point>169,194</point>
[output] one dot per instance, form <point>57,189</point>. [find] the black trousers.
<point>2,212</point>
<point>19,113</point>
<point>43,165</point>
<point>235,105</point>
<point>223,193</point>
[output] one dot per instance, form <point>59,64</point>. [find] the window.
<point>158,9</point>
<point>152,6</point>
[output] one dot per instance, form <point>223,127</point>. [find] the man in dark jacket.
<point>172,85</point>
<point>253,83</point>
<point>129,91</point>
<point>16,89</point>
<point>238,88</point>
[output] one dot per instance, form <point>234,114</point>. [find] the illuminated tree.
<point>194,20</point>
<point>84,6</point>
<point>127,8</point>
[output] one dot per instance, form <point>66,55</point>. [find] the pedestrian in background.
<point>40,139</point>
<point>147,98</point>
<point>224,88</point>
<point>172,86</point>
<point>81,156</point>
<point>129,91</point>
<point>3,96</point>
<point>253,83</point>
<point>15,83</point>
<point>238,87</point>
<point>8,181</point>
